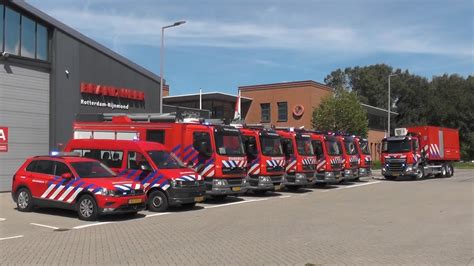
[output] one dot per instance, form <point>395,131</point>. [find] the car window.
<point>31,166</point>
<point>62,168</point>
<point>111,158</point>
<point>44,167</point>
<point>136,159</point>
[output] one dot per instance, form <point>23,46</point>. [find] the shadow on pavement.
<point>267,194</point>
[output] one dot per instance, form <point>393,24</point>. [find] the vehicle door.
<point>42,177</point>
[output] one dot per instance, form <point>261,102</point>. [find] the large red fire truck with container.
<point>420,151</point>
<point>265,159</point>
<point>365,162</point>
<point>166,180</point>
<point>300,162</point>
<point>350,157</point>
<point>328,153</point>
<point>215,151</point>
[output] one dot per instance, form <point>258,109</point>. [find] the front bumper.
<point>299,179</point>
<point>365,172</point>
<point>406,171</point>
<point>328,177</point>
<point>121,204</point>
<point>186,194</point>
<point>265,183</point>
<point>229,186</point>
<point>351,174</point>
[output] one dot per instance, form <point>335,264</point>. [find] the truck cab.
<point>328,153</point>
<point>365,165</point>
<point>401,157</point>
<point>350,157</point>
<point>166,180</point>
<point>266,162</point>
<point>300,162</point>
<point>215,151</point>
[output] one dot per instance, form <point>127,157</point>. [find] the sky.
<point>230,43</point>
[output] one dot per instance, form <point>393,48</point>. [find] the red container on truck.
<point>266,162</point>
<point>420,151</point>
<point>300,162</point>
<point>216,152</point>
<point>328,153</point>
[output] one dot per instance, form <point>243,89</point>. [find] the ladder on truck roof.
<point>136,117</point>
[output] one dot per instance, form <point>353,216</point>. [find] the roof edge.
<point>283,85</point>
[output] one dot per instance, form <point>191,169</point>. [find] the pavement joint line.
<point>157,214</point>
<point>90,225</point>
<point>235,203</point>
<point>46,226</point>
<point>11,237</point>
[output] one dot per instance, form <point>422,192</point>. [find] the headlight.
<point>329,174</point>
<point>219,182</point>
<point>300,176</point>
<point>110,193</point>
<point>264,179</point>
<point>176,183</point>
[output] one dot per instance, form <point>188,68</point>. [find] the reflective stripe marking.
<point>64,195</point>
<point>56,192</point>
<point>74,195</point>
<point>47,191</point>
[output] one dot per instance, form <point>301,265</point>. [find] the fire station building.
<point>48,74</point>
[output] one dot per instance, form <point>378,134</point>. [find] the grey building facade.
<point>48,74</point>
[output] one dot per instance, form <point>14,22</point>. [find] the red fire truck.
<point>300,162</point>
<point>214,151</point>
<point>350,157</point>
<point>266,162</point>
<point>328,153</point>
<point>365,165</point>
<point>419,152</point>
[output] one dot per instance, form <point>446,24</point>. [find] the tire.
<point>389,177</point>
<point>449,170</point>
<point>87,209</point>
<point>189,205</point>
<point>420,173</point>
<point>157,201</point>
<point>219,197</point>
<point>444,171</point>
<point>24,201</point>
<point>293,188</point>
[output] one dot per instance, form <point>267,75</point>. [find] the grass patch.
<point>376,165</point>
<point>464,165</point>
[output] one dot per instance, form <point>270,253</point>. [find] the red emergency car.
<point>167,181</point>
<point>75,183</point>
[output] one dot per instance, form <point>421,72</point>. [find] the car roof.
<point>114,144</point>
<point>64,158</point>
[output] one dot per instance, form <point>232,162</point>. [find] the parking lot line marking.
<point>46,226</point>
<point>234,203</point>
<point>284,197</point>
<point>156,214</point>
<point>11,237</point>
<point>89,225</point>
<point>358,185</point>
<point>2,219</point>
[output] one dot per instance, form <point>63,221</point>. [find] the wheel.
<point>444,171</point>
<point>87,208</point>
<point>449,170</point>
<point>321,184</point>
<point>157,201</point>
<point>189,205</point>
<point>219,197</point>
<point>389,177</point>
<point>24,200</point>
<point>420,173</point>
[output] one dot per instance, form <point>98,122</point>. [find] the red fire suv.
<point>167,181</point>
<point>75,183</point>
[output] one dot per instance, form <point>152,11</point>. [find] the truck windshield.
<point>334,147</point>
<point>350,147</point>
<point>394,146</point>
<point>304,147</point>
<point>229,143</point>
<point>364,147</point>
<point>271,146</point>
<point>92,170</point>
<point>165,160</point>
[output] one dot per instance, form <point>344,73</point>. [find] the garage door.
<point>24,109</point>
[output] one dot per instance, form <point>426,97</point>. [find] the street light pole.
<point>162,52</point>
<point>388,125</point>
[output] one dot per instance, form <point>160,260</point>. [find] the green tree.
<point>341,112</point>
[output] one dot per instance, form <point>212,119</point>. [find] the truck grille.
<point>132,192</point>
<point>336,165</point>
<point>308,167</point>
<point>354,164</point>
<point>234,181</point>
<point>275,169</point>
<point>236,170</point>
<point>276,178</point>
<point>396,165</point>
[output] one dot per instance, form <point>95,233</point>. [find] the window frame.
<point>280,104</point>
<point>262,113</point>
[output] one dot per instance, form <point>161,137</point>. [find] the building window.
<point>22,36</point>
<point>265,112</point>
<point>282,111</point>
<point>12,32</point>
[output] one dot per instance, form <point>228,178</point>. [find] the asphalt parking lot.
<point>373,221</point>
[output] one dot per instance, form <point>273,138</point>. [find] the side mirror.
<point>190,164</point>
<point>145,167</point>
<point>66,176</point>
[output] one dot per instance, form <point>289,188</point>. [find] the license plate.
<point>278,187</point>
<point>395,174</point>
<point>199,199</point>
<point>134,201</point>
<point>236,189</point>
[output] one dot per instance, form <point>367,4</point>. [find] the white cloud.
<point>125,29</point>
